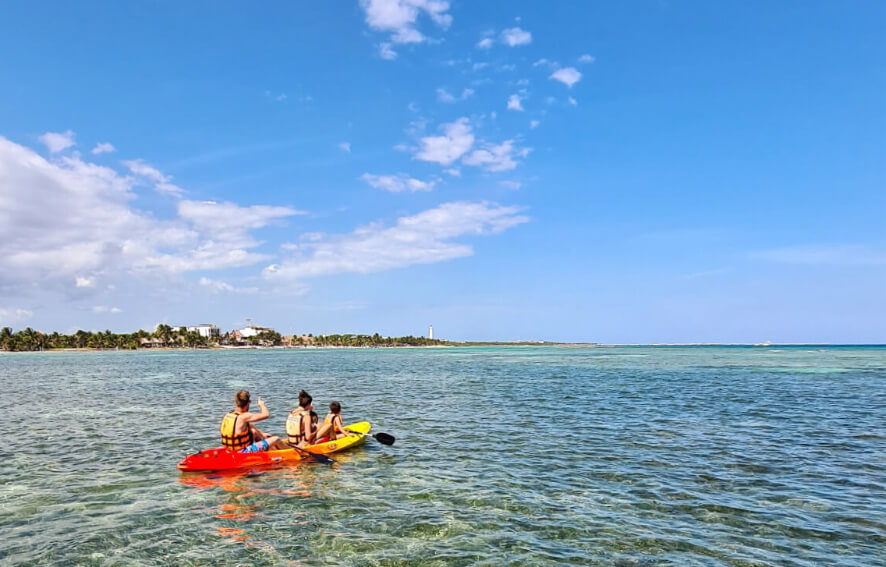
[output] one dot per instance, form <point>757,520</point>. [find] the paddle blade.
<point>384,438</point>
<point>320,458</point>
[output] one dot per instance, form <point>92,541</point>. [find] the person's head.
<point>335,408</point>
<point>304,399</point>
<point>241,400</point>
<point>314,417</point>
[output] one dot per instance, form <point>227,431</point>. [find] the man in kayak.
<point>299,430</point>
<point>332,427</point>
<point>238,433</point>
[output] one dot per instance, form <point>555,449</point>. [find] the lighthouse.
<point>431,332</point>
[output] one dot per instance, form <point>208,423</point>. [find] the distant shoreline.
<point>467,344</point>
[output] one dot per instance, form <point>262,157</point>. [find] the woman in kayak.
<point>238,433</point>
<point>299,430</point>
<point>332,427</point>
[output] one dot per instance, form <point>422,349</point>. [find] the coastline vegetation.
<point>165,336</point>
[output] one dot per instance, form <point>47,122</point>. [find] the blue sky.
<point>612,172</point>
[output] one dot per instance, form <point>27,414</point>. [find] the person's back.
<point>237,432</point>
<point>332,427</point>
<point>298,423</point>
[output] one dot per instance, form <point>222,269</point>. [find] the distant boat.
<point>764,343</point>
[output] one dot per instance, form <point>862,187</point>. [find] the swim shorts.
<point>257,447</point>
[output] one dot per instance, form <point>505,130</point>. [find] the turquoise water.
<point>504,456</point>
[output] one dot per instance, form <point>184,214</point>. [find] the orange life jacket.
<point>230,439</point>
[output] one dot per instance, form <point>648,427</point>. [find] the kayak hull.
<point>222,458</point>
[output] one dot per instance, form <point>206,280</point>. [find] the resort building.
<point>205,330</point>
<point>253,331</point>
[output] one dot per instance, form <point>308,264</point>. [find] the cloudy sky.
<point>616,172</point>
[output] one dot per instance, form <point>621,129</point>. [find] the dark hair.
<point>335,407</point>
<point>241,400</point>
<point>304,399</point>
<point>314,416</point>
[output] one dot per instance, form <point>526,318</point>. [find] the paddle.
<point>383,438</point>
<point>316,456</point>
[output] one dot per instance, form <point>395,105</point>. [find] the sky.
<point>615,172</point>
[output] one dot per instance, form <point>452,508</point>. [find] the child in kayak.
<point>299,430</point>
<point>332,427</point>
<point>238,433</point>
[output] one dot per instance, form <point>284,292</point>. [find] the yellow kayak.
<point>360,430</point>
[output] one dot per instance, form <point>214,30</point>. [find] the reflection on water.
<point>504,456</point>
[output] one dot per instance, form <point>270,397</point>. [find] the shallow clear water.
<point>535,455</point>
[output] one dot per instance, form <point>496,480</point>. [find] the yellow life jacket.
<point>331,420</point>
<point>232,441</point>
<point>294,429</point>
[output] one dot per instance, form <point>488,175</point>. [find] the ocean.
<point>548,455</point>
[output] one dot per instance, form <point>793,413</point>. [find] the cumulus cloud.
<point>345,146</point>
<point>57,141</point>
<point>572,101</point>
<point>385,51</point>
<point>106,309</point>
<point>485,43</point>
<point>399,17</point>
<point>514,103</point>
<point>568,76</point>
<point>218,286</point>
<point>65,223</point>
<point>162,183</point>
<point>515,36</point>
<point>397,183</point>
<point>445,96</point>
<point>424,238</point>
<point>500,157</point>
<point>456,140</point>
<point>586,58</point>
<point>9,316</point>
<point>533,124</point>
<point>453,171</point>
<point>103,148</point>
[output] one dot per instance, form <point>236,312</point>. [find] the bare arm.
<point>256,417</point>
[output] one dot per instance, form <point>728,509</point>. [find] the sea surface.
<point>627,456</point>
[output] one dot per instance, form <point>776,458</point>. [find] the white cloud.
<point>103,148</point>
<point>399,17</point>
<point>161,182</point>
<point>514,103</point>
<point>586,58</point>
<point>218,286</point>
<point>514,185</point>
<point>501,157</point>
<point>386,52</point>
<point>543,62</point>
<point>485,43</point>
<point>278,97</point>
<point>424,238</point>
<point>453,171</point>
<point>345,146</point>
<point>106,309</point>
<point>573,102</point>
<point>515,36</point>
<point>445,96</point>
<point>480,65</point>
<point>533,124</point>
<point>64,224</point>
<point>397,183</point>
<point>84,282</point>
<point>568,76</point>
<point>9,316</point>
<point>58,141</point>
<point>456,140</point>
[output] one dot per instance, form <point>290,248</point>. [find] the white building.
<point>253,331</point>
<point>430,332</point>
<point>205,330</point>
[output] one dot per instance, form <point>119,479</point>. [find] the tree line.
<point>165,336</point>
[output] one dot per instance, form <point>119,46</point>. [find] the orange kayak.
<point>222,458</point>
